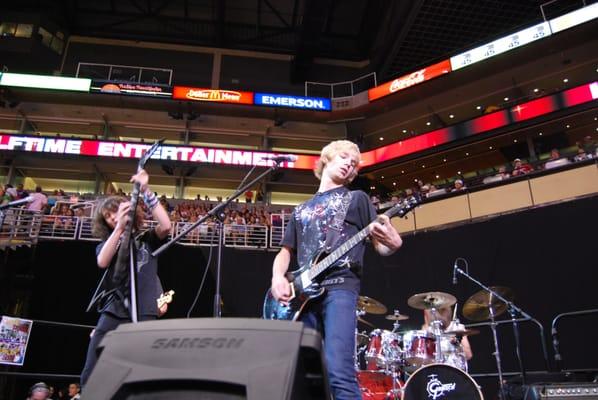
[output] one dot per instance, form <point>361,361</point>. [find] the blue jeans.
<point>106,323</point>
<point>334,316</point>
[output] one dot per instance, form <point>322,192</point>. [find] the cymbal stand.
<point>356,351</point>
<point>437,331</point>
<point>396,324</point>
<point>501,382</point>
<point>395,392</point>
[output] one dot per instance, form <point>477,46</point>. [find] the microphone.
<point>281,158</point>
<point>455,274</point>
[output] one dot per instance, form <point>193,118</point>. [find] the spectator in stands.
<point>520,168</point>
<point>21,192</point>
<point>581,155</point>
<point>554,155</point>
<point>110,222</point>
<point>11,191</point>
<point>39,391</point>
<point>74,391</point>
<point>502,172</point>
<point>51,395</point>
<point>4,197</point>
<point>120,192</point>
<point>248,196</point>
<point>458,185</point>
<point>259,195</point>
<point>39,200</point>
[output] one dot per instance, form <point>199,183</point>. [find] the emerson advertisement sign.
<point>300,102</point>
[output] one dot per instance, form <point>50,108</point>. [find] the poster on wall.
<point>14,336</point>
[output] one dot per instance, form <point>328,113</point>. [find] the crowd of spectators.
<point>43,391</point>
<point>583,150</point>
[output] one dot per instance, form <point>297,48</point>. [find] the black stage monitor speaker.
<point>209,359</point>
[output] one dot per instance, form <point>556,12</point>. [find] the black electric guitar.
<point>304,288</point>
<point>115,277</point>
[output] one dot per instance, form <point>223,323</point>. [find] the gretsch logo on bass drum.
<point>437,389</point>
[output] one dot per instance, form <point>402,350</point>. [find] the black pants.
<point>106,323</point>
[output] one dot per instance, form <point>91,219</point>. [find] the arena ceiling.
<point>392,37</point>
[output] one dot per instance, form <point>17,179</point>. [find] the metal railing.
<point>19,227</point>
<point>341,89</point>
<point>60,227</point>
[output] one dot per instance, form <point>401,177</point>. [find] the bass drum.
<point>377,386</point>
<point>441,381</point>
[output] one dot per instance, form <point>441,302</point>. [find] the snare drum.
<point>441,381</point>
<point>419,347</point>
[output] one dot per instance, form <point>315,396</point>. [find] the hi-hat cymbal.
<point>363,321</point>
<point>370,305</point>
<point>477,307</point>
<point>397,317</point>
<point>425,301</point>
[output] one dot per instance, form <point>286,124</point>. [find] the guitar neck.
<point>331,258</point>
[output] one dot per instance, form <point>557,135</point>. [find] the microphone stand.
<point>513,309</point>
<point>215,212</point>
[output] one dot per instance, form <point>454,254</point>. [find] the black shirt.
<point>308,226</point>
<point>148,284</point>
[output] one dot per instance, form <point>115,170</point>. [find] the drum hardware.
<point>396,317</point>
<point>370,305</point>
<point>490,303</point>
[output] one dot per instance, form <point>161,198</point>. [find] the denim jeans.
<point>334,316</point>
<point>106,323</point>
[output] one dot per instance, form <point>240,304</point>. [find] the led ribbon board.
<point>97,148</point>
<point>521,112</point>
<point>405,81</point>
<point>45,82</point>
<point>212,95</point>
<point>131,89</point>
<point>300,102</point>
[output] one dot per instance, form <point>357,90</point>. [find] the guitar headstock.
<point>148,153</point>
<point>404,206</point>
<point>165,298</point>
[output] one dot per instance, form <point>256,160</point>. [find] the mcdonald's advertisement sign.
<point>212,95</point>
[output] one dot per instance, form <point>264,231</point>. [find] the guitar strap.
<point>334,230</point>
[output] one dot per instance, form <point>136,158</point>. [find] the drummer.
<point>445,315</point>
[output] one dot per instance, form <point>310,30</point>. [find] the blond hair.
<point>331,150</point>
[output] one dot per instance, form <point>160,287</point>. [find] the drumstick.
<point>455,312</point>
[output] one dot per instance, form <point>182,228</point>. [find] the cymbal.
<point>462,332</point>
<point>397,317</point>
<point>425,301</point>
<point>477,307</point>
<point>363,321</point>
<point>370,305</point>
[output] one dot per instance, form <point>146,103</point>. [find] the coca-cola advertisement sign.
<point>409,80</point>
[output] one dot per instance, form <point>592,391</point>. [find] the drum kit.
<point>426,363</point>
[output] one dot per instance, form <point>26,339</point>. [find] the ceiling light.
<point>437,176</point>
<point>536,90</point>
<point>428,123</point>
<point>506,99</point>
<point>478,107</point>
<point>466,154</point>
<point>444,159</point>
<point>514,140</point>
<point>415,180</point>
<point>540,134</point>
<point>567,126</point>
<point>565,80</point>
<point>458,172</point>
<point>381,138</point>
<point>394,184</point>
<point>451,116</point>
<point>423,166</point>
<point>402,172</point>
<point>490,147</point>
<point>404,130</point>
<point>382,177</point>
